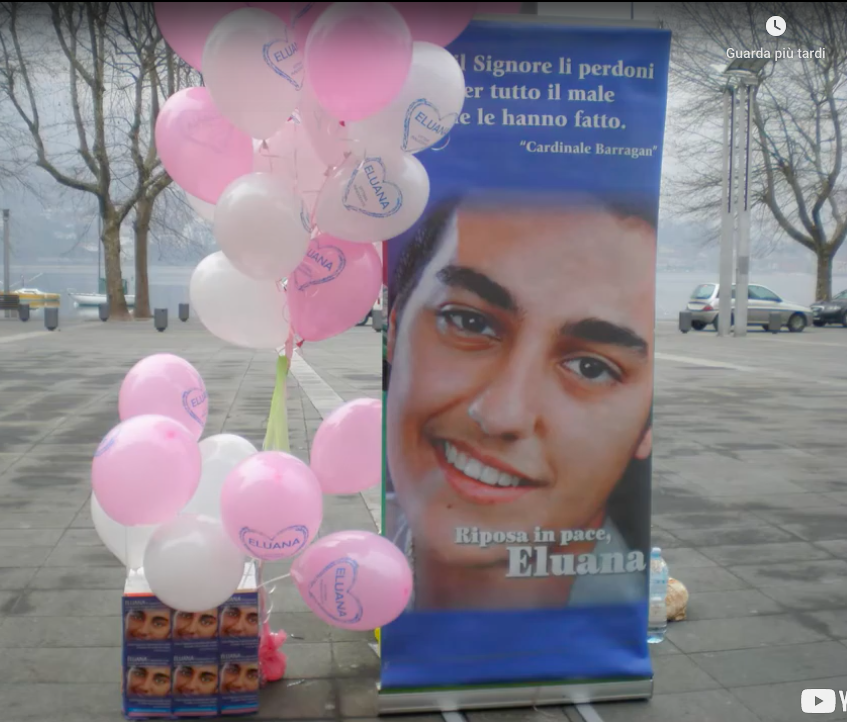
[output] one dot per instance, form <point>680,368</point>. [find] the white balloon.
<point>425,110</point>
<point>191,565</point>
<point>236,308</point>
<point>221,454</point>
<point>259,226</point>
<point>127,543</point>
<point>380,197</point>
<point>205,210</point>
<point>330,140</point>
<point>253,70</point>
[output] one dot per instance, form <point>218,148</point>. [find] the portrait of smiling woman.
<point>519,375</point>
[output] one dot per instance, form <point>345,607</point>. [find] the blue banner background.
<point>447,649</point>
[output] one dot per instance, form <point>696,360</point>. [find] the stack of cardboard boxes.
<point>191,664</point>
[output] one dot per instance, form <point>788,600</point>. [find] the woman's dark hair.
<point>630,502</point>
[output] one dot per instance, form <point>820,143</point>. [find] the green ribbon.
<point>276,436</point>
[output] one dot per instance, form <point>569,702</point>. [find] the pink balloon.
<point>437,23</point>
<point>271,505</point>
<point>346,453</point>
<point>186,26</point>
<point>333,288</point>
<point>146,470</point>
<point>201,150</point>
<point>281,10</point>
<point>358,56</point>
<point>165,385</point>
<point>354,580</point>
<point>498,8</point>
<point>303,16</point>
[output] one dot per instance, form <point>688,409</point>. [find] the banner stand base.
<point>473,698</point>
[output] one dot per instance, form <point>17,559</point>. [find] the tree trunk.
<point>114,282</point>
<point>141,227</point>
<point>823,287</point>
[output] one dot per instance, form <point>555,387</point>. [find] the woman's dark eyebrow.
<point>480,285</point>
<point>595,330</point>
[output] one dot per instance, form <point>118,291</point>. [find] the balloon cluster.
<point>301,149</point>
<point>188,513</point>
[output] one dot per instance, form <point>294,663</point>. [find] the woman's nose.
<point>507,406</point>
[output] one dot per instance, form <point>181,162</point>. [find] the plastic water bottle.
<point>658,621</point>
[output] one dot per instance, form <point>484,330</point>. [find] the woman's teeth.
<point>475,469</point>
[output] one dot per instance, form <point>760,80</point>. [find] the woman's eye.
<point>592,370</point>
<point>139,673</point>
<point>186,672</point>
<point>207,677</point>
<point>233,669</point>
<point>253,674</point>
<point>467,322</point>
<point>233,613</point>
<point>253,618</point>
<point>186,616</point>
<point>207,620</point>
<point>137,616</point>
<point>161,679</point>
<point>160,622</point>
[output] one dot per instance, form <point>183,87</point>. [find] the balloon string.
<point>277,579</point>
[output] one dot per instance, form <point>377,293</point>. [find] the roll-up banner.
<point>518,376</point>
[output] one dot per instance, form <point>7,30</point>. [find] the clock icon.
<point>775,26</point>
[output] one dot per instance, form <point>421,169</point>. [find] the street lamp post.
<point>743,77</point>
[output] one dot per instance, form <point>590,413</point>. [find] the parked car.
<point>704,306</point>
<point>834,311</point>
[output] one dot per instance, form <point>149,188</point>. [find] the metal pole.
<point>7,258</point>
<point>742,274</point>
<point>725,300</point>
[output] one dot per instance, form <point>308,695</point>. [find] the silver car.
<point>704,307</point>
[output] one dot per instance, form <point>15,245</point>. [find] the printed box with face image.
<point>190,664</point>
<point>240,677</point>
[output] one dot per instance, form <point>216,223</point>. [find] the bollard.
<point>685,321</point>
<point>160,319</point>
<point>51,319</point>
<point>104,311</point>
<point>775,322</point>
<point>183,312</point>
<point>376,318</point>
<point>23,312</point>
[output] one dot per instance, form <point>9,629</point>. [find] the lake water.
<point>169,287</point>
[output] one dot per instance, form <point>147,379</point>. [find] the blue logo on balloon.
<point>282,57</point>
<point>332,591</point>
<point>370,193</point>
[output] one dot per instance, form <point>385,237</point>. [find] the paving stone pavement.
<point>750,504</point>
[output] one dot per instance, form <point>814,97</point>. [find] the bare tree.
<point>798,116</point>
<point>119,71</point>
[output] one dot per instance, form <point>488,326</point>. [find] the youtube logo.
<point>818,701</point>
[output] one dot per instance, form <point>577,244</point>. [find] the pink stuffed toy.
<point>271,659</point>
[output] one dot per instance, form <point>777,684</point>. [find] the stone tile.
<point>354,659</point>
<point>8,601</point>
<point>686,557</point>
<point>831,622</point>
<point>700,538</point>
<point>82,556</point>
<point>665,648</point>
<point>812,524</point>
<point>12,579</point>
<point>60,702</point>
<point>773,665</point>
<point>677,674</point>
<point>837,548</point>
<point>707,520</point>
<point>72,603</point>
<point>308,661</point>
<point>23,557</point>
<point>29,537</point>
<point>729,605</point>
<point>60,666</point>
<point>808,597</point>
<point>81,538</point>
<point>292,699</point>
<point>79,578</point>
<point>708,579</point>
<point>765,553</point>
<point>54,632</point>
<point>286,598</point>
<point>707,706</point>
<point>23,520</point>
<point>781,702</point>
<point>799,573</point>
<point>741,633</point>
<point>357,698</point>
<point>306,627</point>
